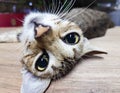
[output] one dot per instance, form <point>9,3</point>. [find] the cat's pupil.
<point>71,38</point>
<point>42,62</point>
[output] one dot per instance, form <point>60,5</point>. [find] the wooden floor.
<point>94,75</point>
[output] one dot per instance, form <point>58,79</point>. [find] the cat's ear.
<point>89,49</point>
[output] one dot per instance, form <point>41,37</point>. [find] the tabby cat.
<point>53,45</point>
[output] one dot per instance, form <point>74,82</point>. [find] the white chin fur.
<point>32,84</point>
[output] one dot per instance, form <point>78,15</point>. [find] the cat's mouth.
<point>40,29</point>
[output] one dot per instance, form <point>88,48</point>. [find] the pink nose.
<point>40,30</point>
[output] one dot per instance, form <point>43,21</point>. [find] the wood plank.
<point>93,75</point>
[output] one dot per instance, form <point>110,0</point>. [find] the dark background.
<point>15,7</point>
<point>84,3</point>
<point>24,5</point>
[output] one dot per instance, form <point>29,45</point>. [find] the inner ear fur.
<point>89,49</point>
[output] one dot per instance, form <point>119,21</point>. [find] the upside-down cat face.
<point>53,45</point>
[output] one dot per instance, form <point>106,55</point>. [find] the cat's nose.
<point>40,29</point>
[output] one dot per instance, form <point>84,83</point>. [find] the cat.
<point>53,45</point>
<point>57,43</point>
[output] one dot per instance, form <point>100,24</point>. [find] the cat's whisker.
<point>58,12</point>
<point>69,6</point>
<point>82,10</point>
<point>19,20</point>
<point>62,15</point>
<point>67,9</point>
<point>53,6</point>
<point>21,46</point>
<point>49,7</point>
<point>58,8</point>
<point>44,5</point>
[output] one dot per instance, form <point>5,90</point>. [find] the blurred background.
<point>12,12</point>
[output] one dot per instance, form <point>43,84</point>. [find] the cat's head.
<point>52,45</point>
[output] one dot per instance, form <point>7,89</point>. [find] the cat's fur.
<point>63,56</point>
<point>53,45</point>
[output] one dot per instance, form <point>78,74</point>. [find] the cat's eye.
<point>42,62</point>
<point>71,38</point>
